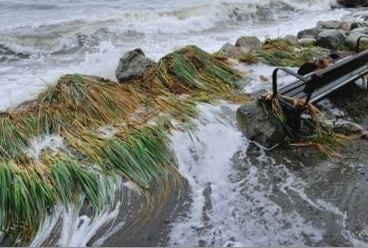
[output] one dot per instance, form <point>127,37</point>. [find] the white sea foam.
<point>69,228</point>
<point>226,210</point>
<point>52,142</point>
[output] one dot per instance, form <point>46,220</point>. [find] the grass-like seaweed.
<point>75,108</point>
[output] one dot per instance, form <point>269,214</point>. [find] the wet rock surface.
<point>353,3</point>
<point>329,24</point>
<point>352,41</point>
<point>133,65</point>
<point>257,126</point>
<point>331,39</point>
<point>248,42</point>
<point>309,33</point>
<point>227,50</point>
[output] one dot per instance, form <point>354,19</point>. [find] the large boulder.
<point>361,31</point>
<point>356,25</point>
<point>352,39</point>
<point>309,33</point>
<point>329,24</point>
<point>227,50</point>
<point>133,65</point>
<point>248,43</point>
<point>331,39</point>
<point>346,26</point>
<point>258,126</point>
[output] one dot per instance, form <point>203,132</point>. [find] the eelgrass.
<point>357,108</point>
<point>319,134</point>
<point>75,108</point>
<point>281,52</point>
<point>29,191</point>
<point>193,69</point>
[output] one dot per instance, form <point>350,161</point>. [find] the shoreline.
<point>155,231</point>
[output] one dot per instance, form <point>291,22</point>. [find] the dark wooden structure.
<point>318,85</point>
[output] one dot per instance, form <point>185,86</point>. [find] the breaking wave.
<point>75,33</point>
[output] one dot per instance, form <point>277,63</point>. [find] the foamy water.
<point>228,210</point>
<point>40,40</point>
<point>242,200</point>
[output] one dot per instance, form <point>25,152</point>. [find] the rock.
<point>345,26</point>
<point>329,24</point>
<point>309,33</point>
<point>362,30</point>
<point>257,126</point>
<point>248,43</point>
<point>356,25</point>
<point>227,50</point>
<point>364,135</point>
<point>352,3</point>
<point>240,52</point>
<point>291,38</point>
<point>307,41</point>
<point>352,39</point>
<point>331,39</point>
<point>133,65</point>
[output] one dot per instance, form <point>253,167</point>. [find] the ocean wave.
<point>86,32</point>
<point>7,54</point>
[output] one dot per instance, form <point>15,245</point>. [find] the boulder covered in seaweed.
<point>191,68</point>
<point>133,65</point>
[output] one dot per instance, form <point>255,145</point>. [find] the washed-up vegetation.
<point>316,133</point>
<point>357,108</point>
<point>282,52</point>
<point>76,108</point>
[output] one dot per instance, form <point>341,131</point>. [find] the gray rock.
<point>352,39</point>
<point>133,65</point>
<point>352,3</point>
<point>257,126</point>
<point>291,38</point>
<point>363,30</point>
<point>240,52</point>
<point>227,50</point>
<point>248,43</point>
<point>356,25</point>
<point>310,33</point>
<point>307,41</point>
<point>329,24</point>
<point>331,39</point>
<point>345,26</point>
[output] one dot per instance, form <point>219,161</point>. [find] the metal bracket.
<point>288,71</point>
